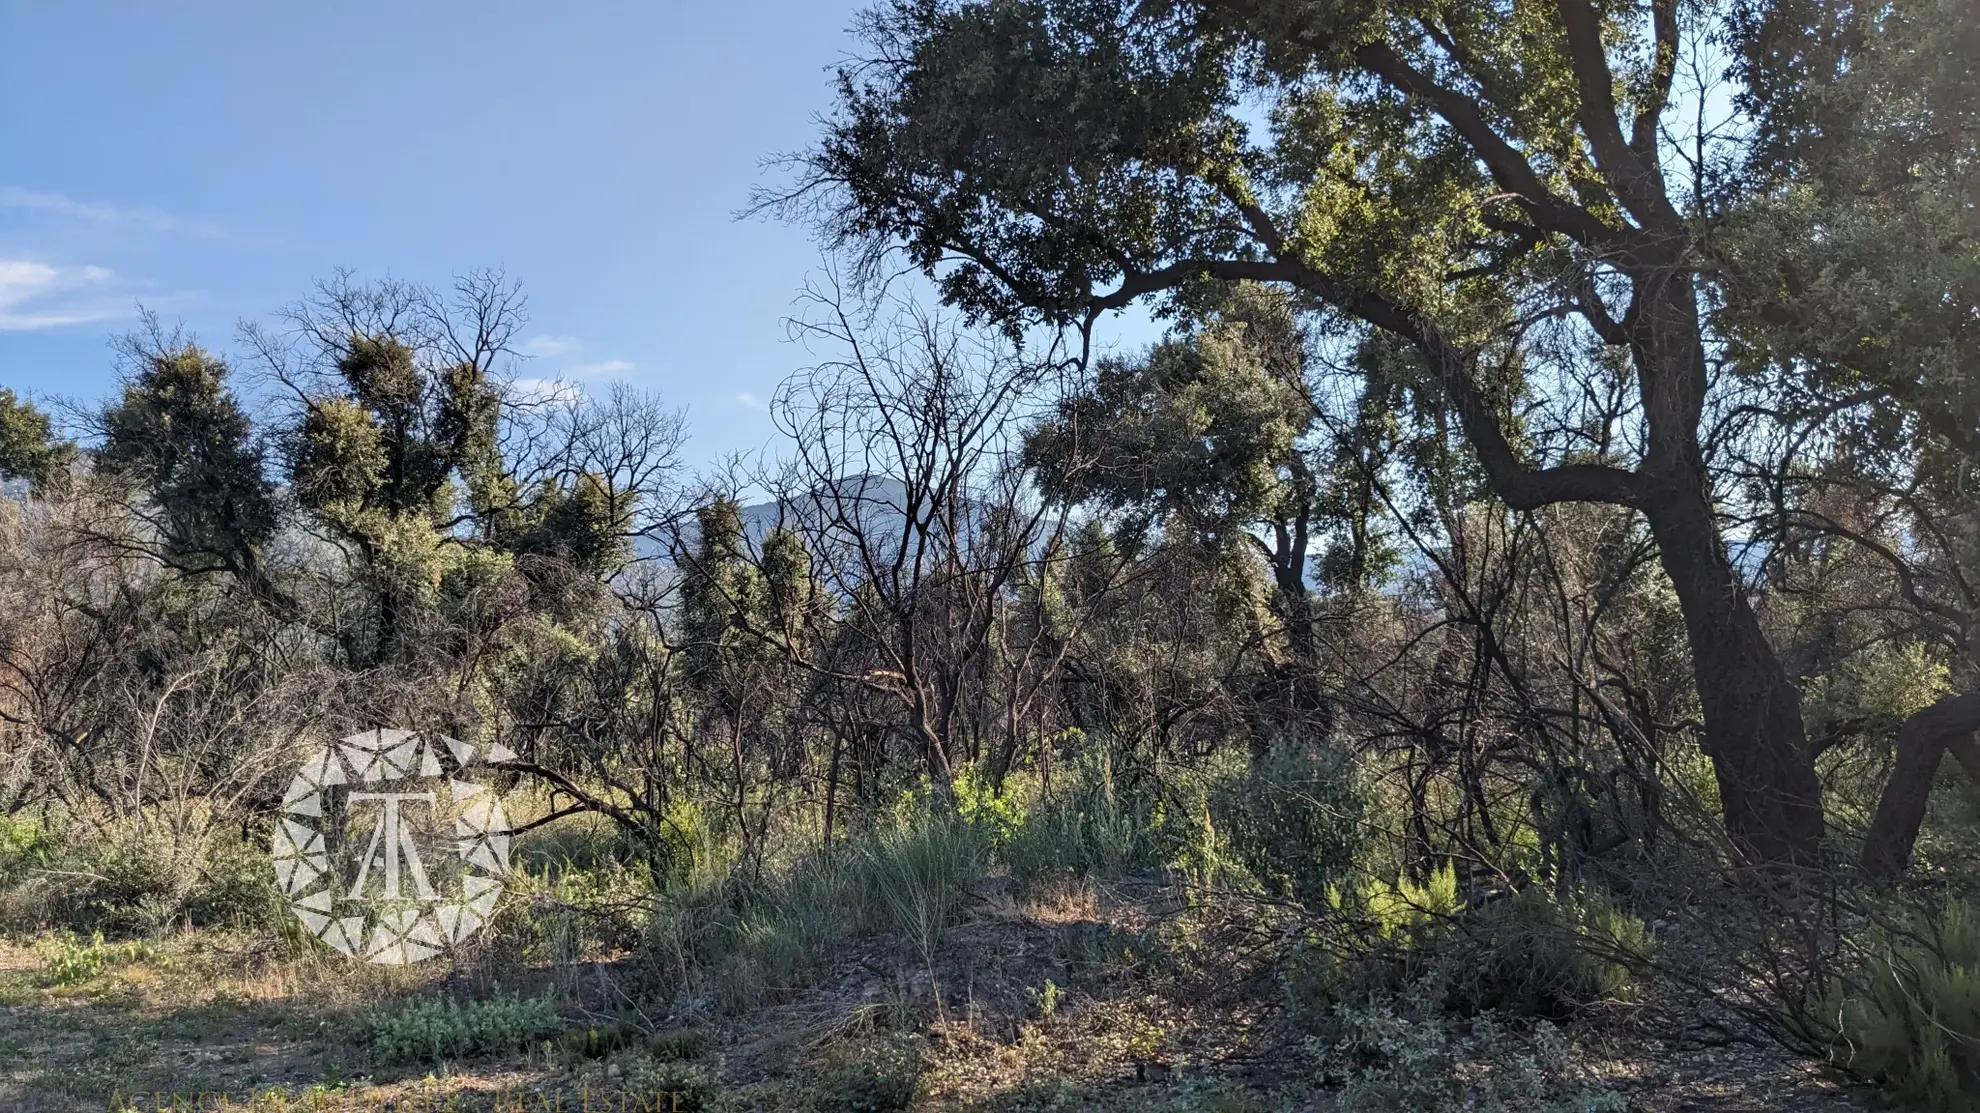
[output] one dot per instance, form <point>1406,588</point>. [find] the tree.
<point>181,437</point>
<point>1853,264</point>
<point>29,448</point>
<point>1207,434</point>
<point>1458,177</point>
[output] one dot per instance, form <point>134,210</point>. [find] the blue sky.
<point>213,158</point>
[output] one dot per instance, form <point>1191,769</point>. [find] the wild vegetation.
<point>1500,650</point>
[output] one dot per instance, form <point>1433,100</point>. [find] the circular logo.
<point>387,848</point>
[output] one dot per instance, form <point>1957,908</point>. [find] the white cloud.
<point>751,400</point>
<point>547,390</point>
<point>598,370</point>
<point>55,204</point>
<point>550,346</point>
<point>36,295</point>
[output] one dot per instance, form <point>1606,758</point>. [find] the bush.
<point>1385,1057</point>
<point>74,962</point>
<point>1530,954</point>
<point>669,1084</point>
<point>726,940</point>
<point>680,1043</point>
<point>885,1080</point>
<point>1915,1025</point>
<point>1294,821</point>
<point>1534,955</point>
<point>135,874</point>
<point>433,1030</point>
<point>921,870</point>
<point>1090,824</point>
<point>597,1040</point>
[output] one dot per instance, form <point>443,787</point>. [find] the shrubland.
<point>1522,606</point>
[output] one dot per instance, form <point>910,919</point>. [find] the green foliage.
<point>1048,999</point>
<point>179,434</point>
<point>997,816</point>
<point>1203,429</point>
<point>1534,955</point>
<point>1914,1024</point>
<point>72,961</point>
<point>596,1041</point>
<point>887,1079</point>
<point>1406,1055</point>
<point>1088,823</point>
<point>29,448</point>
<point>670,1084</point>
<point>130,876</point>
<point>1294,820</point>
<point>1404,909</point>
<point>677,1043</point>
<point>727,939</point>
<point>921,870</point>
<point>432,1030</point>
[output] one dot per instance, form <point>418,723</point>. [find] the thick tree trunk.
<point>1751,707</point>
<point>1921,743</point>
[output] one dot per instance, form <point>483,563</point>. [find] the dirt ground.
<point>1024,1007</point>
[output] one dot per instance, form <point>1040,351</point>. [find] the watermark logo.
<point>388,849</point>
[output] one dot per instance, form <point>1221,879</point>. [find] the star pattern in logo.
<point>370,767</point>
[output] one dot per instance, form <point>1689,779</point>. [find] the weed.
<point>887,1079</point>
<point>1048,999</point>
<point>670,1084</point>
<point>434,1030</point>
<point>678,1044</point>
<point>74,962</point>
<point>1386,1057</point>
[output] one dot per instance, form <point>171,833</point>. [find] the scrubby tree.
<point>1459,178</point>
<point>181,438</point>
<point>29,447</point>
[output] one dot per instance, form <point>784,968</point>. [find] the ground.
<point>1025,1006</point>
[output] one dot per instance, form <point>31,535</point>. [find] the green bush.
<point>1915,1024</point>
<point>1535,955</point>
<point>432,1030</point>
<point>921,870</point>
<point>885,1080</point>
<point>597,1040</point>
<point>1530,954</point>
<point>1408,1055</point>
<point>669,1084</point>
<point>680,1043</point>
<point>73,961</point>
<point>1091,823</point>
<point>727,940</point>
<point>135,875</point>
<point>1294,821</point>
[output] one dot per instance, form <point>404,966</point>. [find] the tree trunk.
<point>1751,707</point>
<point>1922,741</point>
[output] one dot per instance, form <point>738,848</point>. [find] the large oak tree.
<point>1461,177</point>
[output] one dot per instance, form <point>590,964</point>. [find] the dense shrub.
<point>886,1079</point>
<point>1915,1023</point>
<point>1091,820</point>
<point>669,1084</point>
<point>1535,955</point>
<point>1407,1055</point>
<point>1293,820</point>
